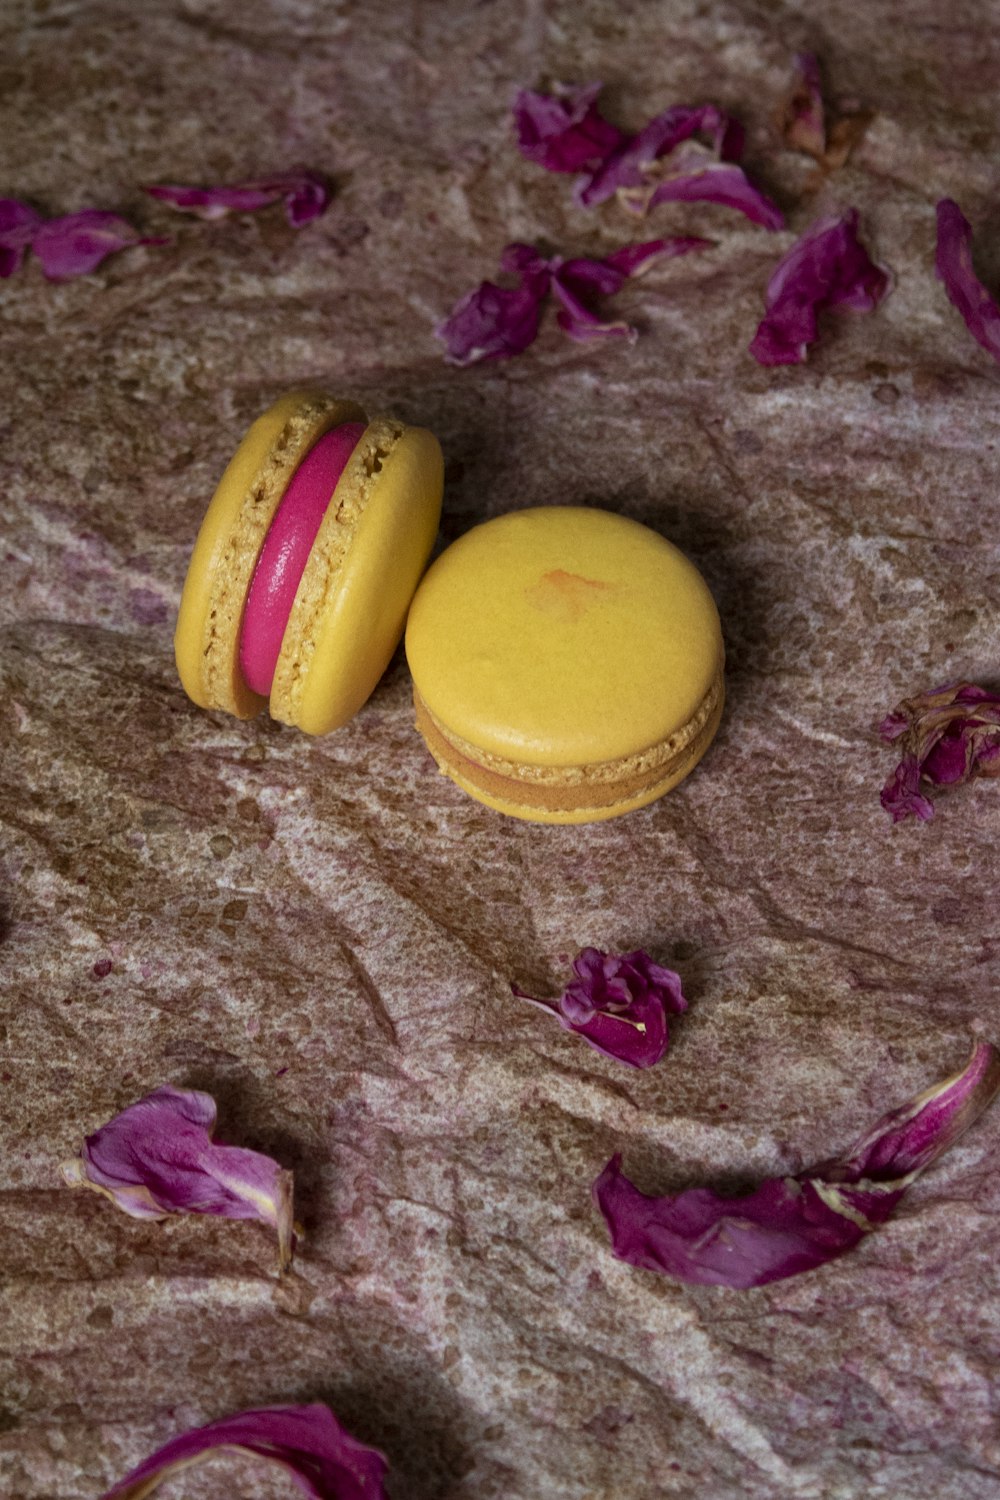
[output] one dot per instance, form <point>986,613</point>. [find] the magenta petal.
<point>74,244</point>
<point>491,322</point>
<point>157,1157</point>
<point>18,223</point>
<point>946,735</point>
<point>953,263</point>
<point>635,260</point>
<point>725,184</point>
<point>627,166</point>
<point>305,194</point>
<point>564,131</point>
<point>321,1456</point>
<point>619,1004</point>
<point>793,1224</point>
<point>827,267</point>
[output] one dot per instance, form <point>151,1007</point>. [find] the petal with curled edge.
<point>158,1158</point>
<point>305,195</point>
<point>947,735</point>
<point>793,1224</point>
<point>320,1455</point>
<point>619,1003</point>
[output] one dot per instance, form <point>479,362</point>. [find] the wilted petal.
<point>946,735</point>
<point>619,1004</point>
<point>74,244</point>
<point>18,223</point>
<point>321,1456</point>
<point>305,194</point>
<point>629,165</point>
<point>715,182</point>
<point>827,267</point>
<point>157,1158</point>
<point>635,260</point>
<point>564,131</point>
<point>953,264</point>
<point>491,322</point>
<point>792,1224</point>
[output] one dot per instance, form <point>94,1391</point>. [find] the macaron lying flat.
<point>306,562</point>
<point>567,664</point>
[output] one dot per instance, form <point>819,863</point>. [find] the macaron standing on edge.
<point>567,664</point>
<point>306,562</point>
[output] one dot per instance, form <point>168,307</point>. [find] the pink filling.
<point>286,549</point>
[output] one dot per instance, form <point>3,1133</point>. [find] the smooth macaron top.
<point>563,636</point>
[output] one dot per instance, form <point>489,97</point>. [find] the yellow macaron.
<point>567,664</point>
<point>306,562</point>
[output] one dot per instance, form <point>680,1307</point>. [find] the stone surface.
<point>322,933</point>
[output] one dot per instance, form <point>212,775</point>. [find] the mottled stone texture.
<point>322,933</point>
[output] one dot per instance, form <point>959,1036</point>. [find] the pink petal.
<point>722,183</point>
<point>805,120</point>
<point>628,166</point>
<point>619,1004</point>
<point>491,322</point>
<point>949,734</point>
<point>564,131</point>
<point>306,195</point>
<point>953,264</point>
<point>18,223</point>
<point>635,260</point>
<point>74,244</point>
<point>321,1456</point>
<point>793,1224</point>
<point>827,267</point>
<point>157,1158</point>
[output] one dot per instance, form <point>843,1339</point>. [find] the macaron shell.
<point>207,637</point>
<point>563,637</point>
<point>582,801</point>
<point>367,560</point>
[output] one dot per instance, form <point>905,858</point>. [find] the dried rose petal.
<point>494,322</point>
<point>827,267</point>
<point>321,1456</point>
<point>700,179</point>
<point>619,1004</point>
<point>306,195</point>
<point>564,131</point>
<point>630,165</point>
<point>18,223</point>
<point>804,126</point>
<point>75,243</point>
<point>792,1224</point>
<point>953,264</point>
<point>947,735</point>
<point>157,1158</point>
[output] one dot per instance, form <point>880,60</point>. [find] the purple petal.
<point>953,264</point>
<point>722,183</point>
<point>805,120</point>
<point>627,166</point>
<point>321,1456</point>
<point>157,1158</point>
<point>619,1004</point>
<point>74,244</point>
<point>635,260</point>
<point>827,267</point>
<point>793,1224</point>
<point>305,194</point>
<point>18,223</point>
<point>564,131</point>
<point>491,322</point>
<point>946,735</point>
